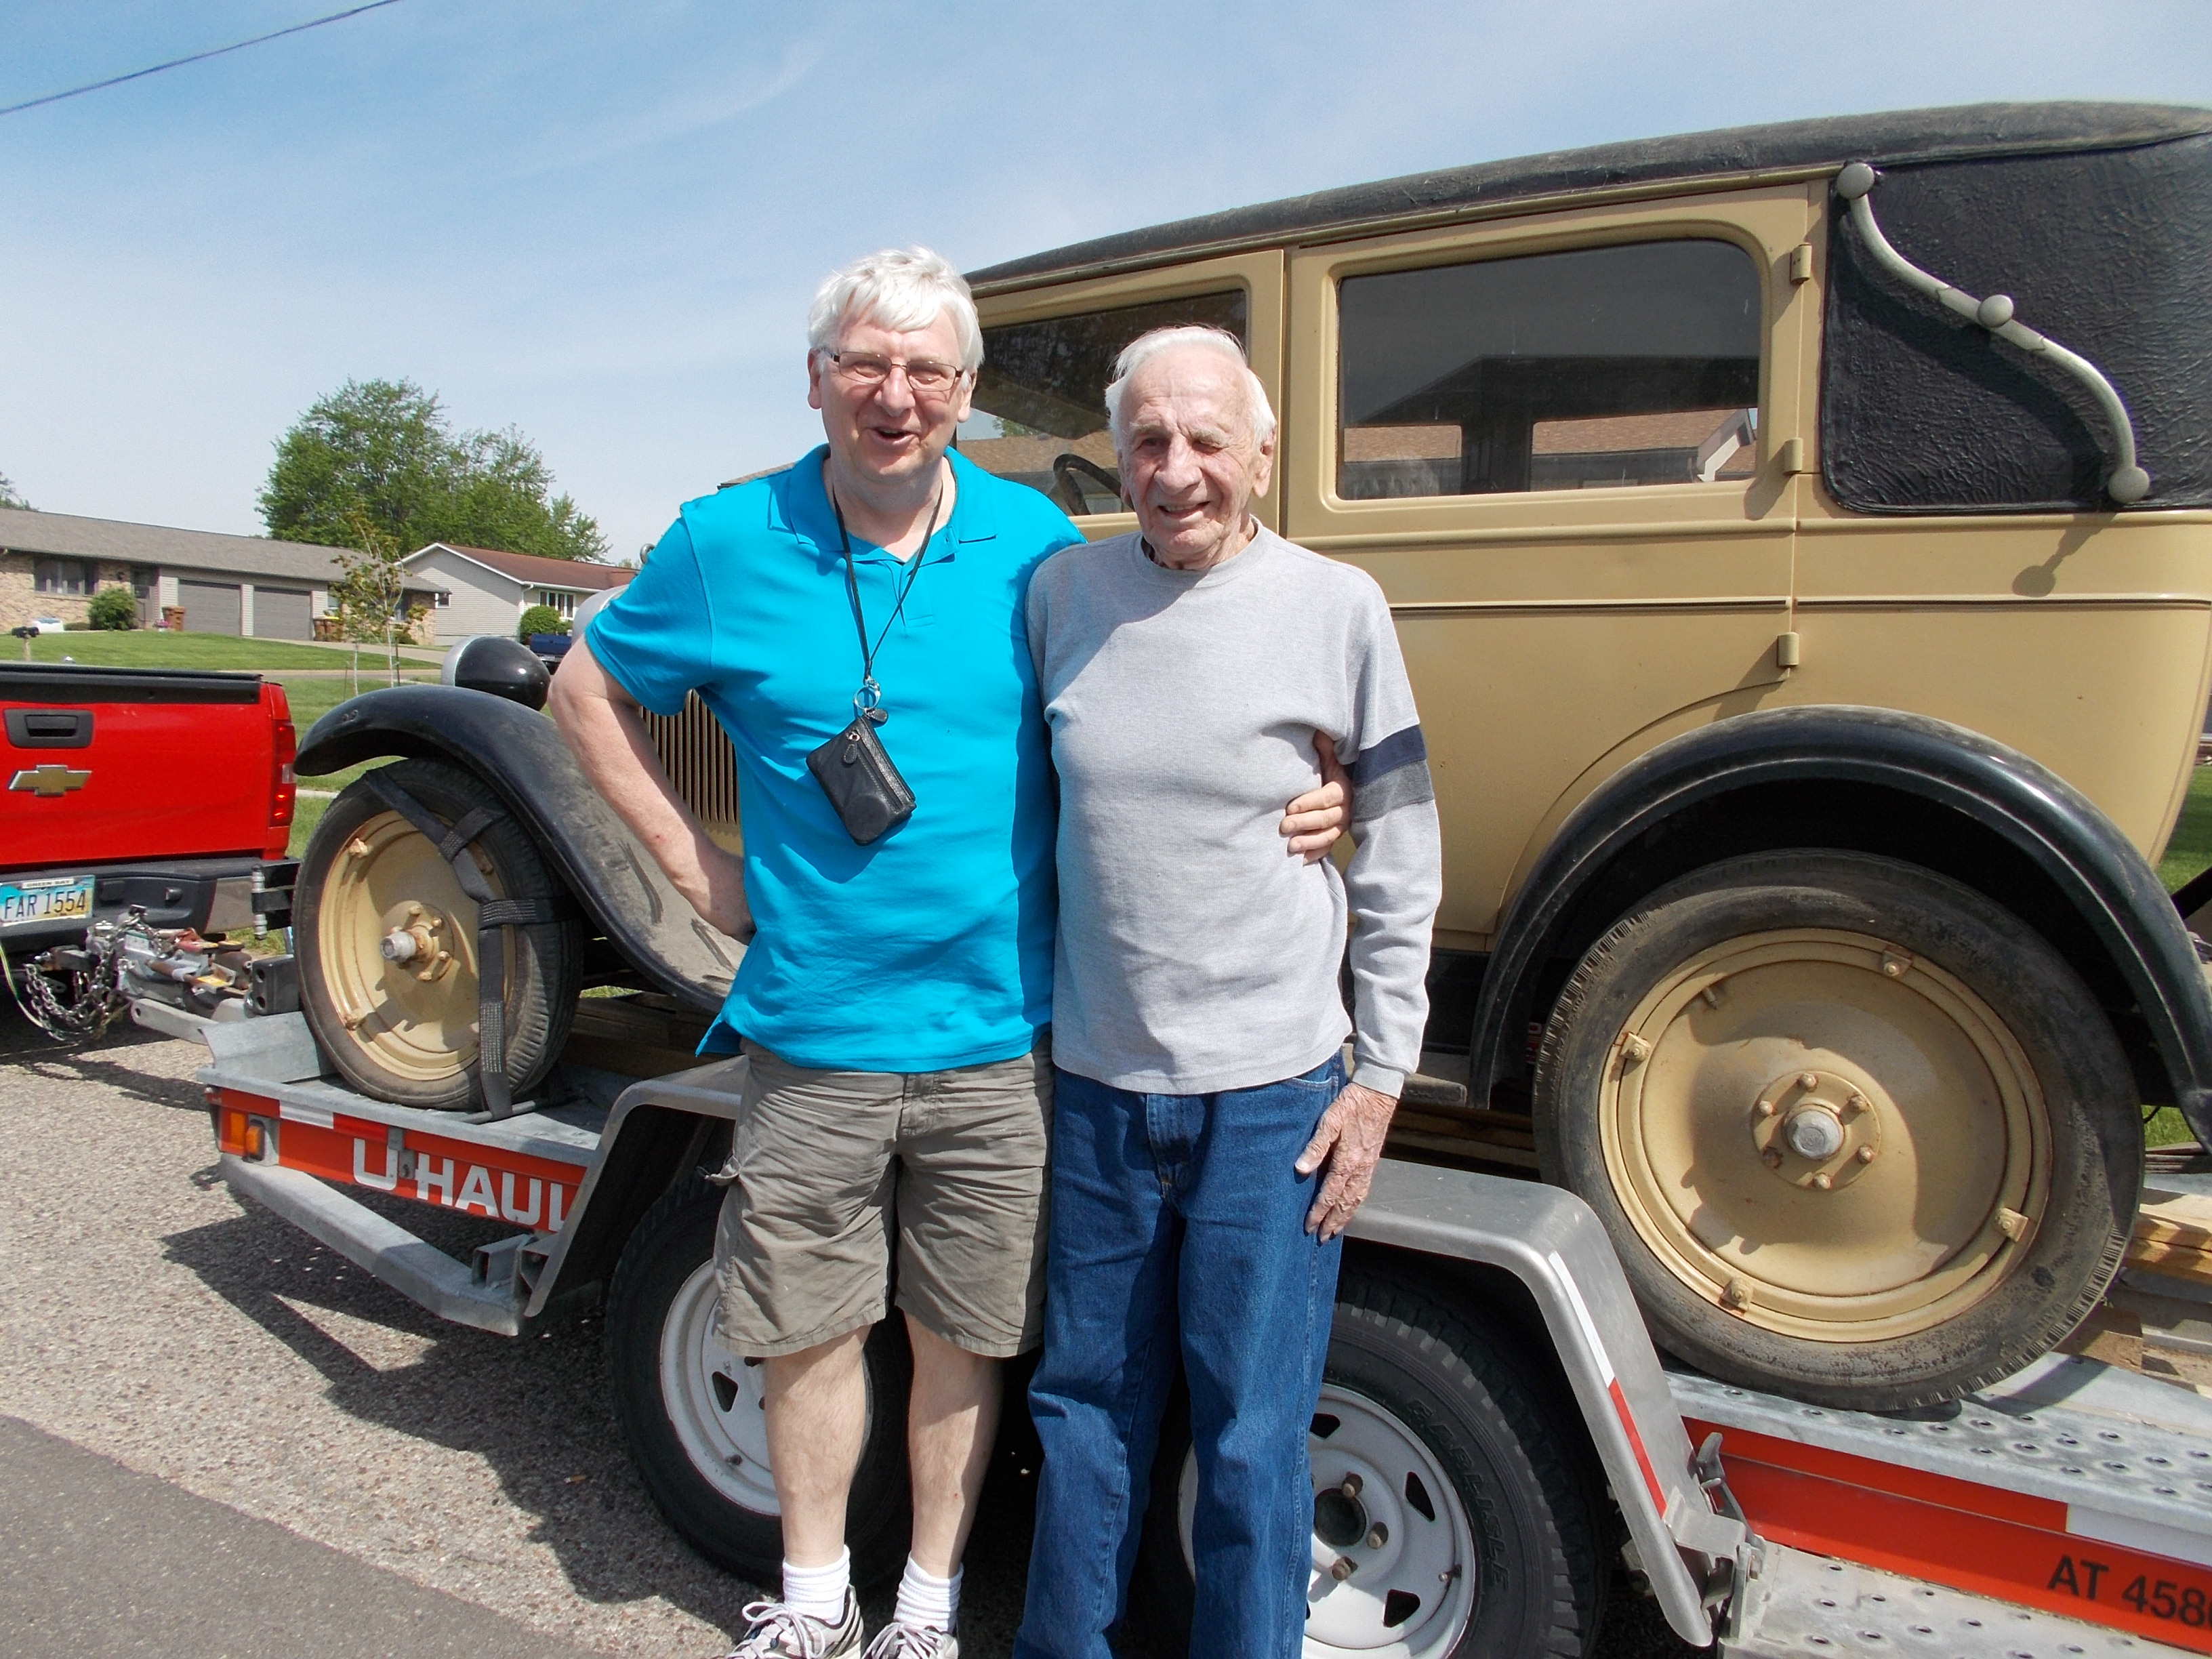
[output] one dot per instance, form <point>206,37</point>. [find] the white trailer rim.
<point>1412,1594</point>
<point>714,1398</point>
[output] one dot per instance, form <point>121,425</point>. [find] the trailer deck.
<point>2064,1514</point>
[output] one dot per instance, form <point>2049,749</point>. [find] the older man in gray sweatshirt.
<point>1208,1149</point>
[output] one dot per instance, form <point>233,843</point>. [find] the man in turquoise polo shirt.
<point>896,999</point>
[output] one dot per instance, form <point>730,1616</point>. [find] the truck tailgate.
<point>108,764</point>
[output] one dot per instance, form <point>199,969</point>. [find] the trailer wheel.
<point>690,1407</point>
<point>1469,1524</point>
<point>406,1031</point>
<point>1858,1132</point>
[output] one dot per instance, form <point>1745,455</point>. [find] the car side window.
<point>1040,409</point>
<point>1602,367</point>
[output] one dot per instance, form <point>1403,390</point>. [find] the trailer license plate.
<point>53,898</point>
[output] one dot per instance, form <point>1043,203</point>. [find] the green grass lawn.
<point>158,648</point>
<point>2190,852</point>
<point>2187,855</point>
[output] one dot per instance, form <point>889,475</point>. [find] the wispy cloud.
<point>676,116</point>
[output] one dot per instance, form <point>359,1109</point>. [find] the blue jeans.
<point>1178,1231</point>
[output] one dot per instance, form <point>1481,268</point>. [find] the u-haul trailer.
<point>1488,1362</point>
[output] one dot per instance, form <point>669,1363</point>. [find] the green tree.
<point>7,496</point>
<point>540,619</point>
<point>382,452</point>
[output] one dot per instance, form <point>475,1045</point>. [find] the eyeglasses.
<point>928,377</point>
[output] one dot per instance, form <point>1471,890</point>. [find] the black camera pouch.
<point>865,791</point>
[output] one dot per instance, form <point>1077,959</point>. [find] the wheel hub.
<point>419,940</point>
<point>1816,1130</point>
<point>1339,1518</point>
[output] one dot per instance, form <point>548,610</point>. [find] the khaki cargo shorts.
<point>824,1165</point>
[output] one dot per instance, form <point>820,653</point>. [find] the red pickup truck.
<point>161,797</point>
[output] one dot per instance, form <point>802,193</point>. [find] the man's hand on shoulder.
<point>1350,1142</point>
<point>1314,821</point>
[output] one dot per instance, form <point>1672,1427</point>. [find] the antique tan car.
<point>1801,538</point>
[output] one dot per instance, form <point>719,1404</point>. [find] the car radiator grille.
<point>700,762</point>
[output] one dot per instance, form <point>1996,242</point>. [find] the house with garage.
<point>481,590</point>
<point>52,563</point>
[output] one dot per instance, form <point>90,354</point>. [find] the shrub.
<point>113,608</point>
<point>541,619</point>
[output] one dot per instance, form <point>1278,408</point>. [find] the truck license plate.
<point>52,898</point>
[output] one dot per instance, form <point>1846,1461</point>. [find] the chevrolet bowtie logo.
<point>48,780</point>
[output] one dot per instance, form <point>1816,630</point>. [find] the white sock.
<point>819,1592</point>
<point>925,1602</point>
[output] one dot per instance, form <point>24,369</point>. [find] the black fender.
<point>1872,779</point>
<point>520,754</point>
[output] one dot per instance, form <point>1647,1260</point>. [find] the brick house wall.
<point>21,601</point>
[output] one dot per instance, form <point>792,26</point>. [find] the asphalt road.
<point>217,1438</point>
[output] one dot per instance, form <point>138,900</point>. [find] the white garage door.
<point>210,607</point>
<point>281,613</point>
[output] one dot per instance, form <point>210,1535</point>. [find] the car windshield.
<point>1040,410</point>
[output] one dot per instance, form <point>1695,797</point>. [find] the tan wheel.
<point>387,945</point>
<point>1824,1135</point>
<point>1858,1132</point>
<point>417,1016</point>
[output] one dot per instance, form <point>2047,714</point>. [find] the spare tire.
<point>406,1031</point>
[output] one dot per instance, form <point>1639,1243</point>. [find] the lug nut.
<point>1856,1105</point>
<point>1351,1486</point>
<point>1865,1154</point>
<point>1377,1538</point>
<point>1823,1181</point>
<point>1764,1109</point>
<point>1771,1157</point>
<point>1345,1566</point>
<point>1808,1080</point>
<point>1737,1294</point>
<point>400,945</point>
<point>1635,1050</point>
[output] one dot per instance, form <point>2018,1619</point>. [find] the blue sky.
<point>601,223</point>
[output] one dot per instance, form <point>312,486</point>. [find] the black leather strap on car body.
<point>493,914</point>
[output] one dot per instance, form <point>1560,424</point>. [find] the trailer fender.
<point>520,755</point>
<point>1554,1245</point>
<point>1754,782</point>
<point>657,1131</point>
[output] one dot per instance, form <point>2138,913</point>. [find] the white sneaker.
<point>902,1641</point>
<point>776,1631</point>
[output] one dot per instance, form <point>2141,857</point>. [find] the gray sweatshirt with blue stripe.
<point>1195,955</point>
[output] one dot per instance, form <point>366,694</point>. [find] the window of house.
<point>441,599</point>
<point>1040,406</point>
<point>63,576</point>
<point>560,598</point>
<point>1598,367</point>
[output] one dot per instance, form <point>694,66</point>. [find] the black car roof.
<point>1894,139</point>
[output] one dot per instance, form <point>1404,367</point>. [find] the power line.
<point>198,57</point>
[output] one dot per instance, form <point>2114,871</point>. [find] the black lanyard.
<point>870,695</point>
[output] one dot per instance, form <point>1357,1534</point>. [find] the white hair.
<point>1220,341</point>
<point>899,288</point>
